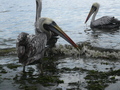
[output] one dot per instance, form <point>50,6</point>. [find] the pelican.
<point>31,48</point>
<point>105,22</point>
<point>51,42</point>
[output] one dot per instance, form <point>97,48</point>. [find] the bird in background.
<point>105,22</point>
<point>31,48</point>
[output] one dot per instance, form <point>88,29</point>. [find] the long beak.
<point>90,13</point>
<point>56,29</point>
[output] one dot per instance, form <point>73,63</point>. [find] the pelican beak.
<point>93,9</point>
<point>53,27</point>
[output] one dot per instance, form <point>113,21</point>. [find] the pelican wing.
<point>32,49</point>
<point>37,48</point>
<point>21,44</point>
<point>105,20</point>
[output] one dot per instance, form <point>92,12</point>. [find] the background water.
<point>19,16</point>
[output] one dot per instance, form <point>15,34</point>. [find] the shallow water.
<point>19,16</point>
<point>72,71</point>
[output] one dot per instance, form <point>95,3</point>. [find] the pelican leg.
<point>41,68</point>
<point>24,69</point>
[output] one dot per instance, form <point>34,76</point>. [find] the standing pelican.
<point>51,42</point>
<point>30,48</point>
<point>105,22</point>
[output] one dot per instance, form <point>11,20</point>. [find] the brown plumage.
<point>31,48</point>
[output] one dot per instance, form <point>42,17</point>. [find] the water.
<point>19,16</point>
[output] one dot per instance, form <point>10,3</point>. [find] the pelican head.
<point>50,27</point>
<point>94,9</point>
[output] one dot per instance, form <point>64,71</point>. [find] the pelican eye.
<point>94,7</point>
<point>53,23</point>
<point>46,27</point>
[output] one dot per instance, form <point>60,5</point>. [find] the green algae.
<point>7,51</point>
<point>58,89</point>
<point>67,50</point>
<point>95,80</point>
<point>28,87</point>
<point>3,71</point>
<point>73,84</point>
<point>64,69</point>
<point>48,78</point>
<point>1,66</point>
<point>12,66</point>
<point>100,80</point>
<point>45,80</point>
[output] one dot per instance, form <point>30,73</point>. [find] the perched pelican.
<point>105,22</point>
<point>30,48</point>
